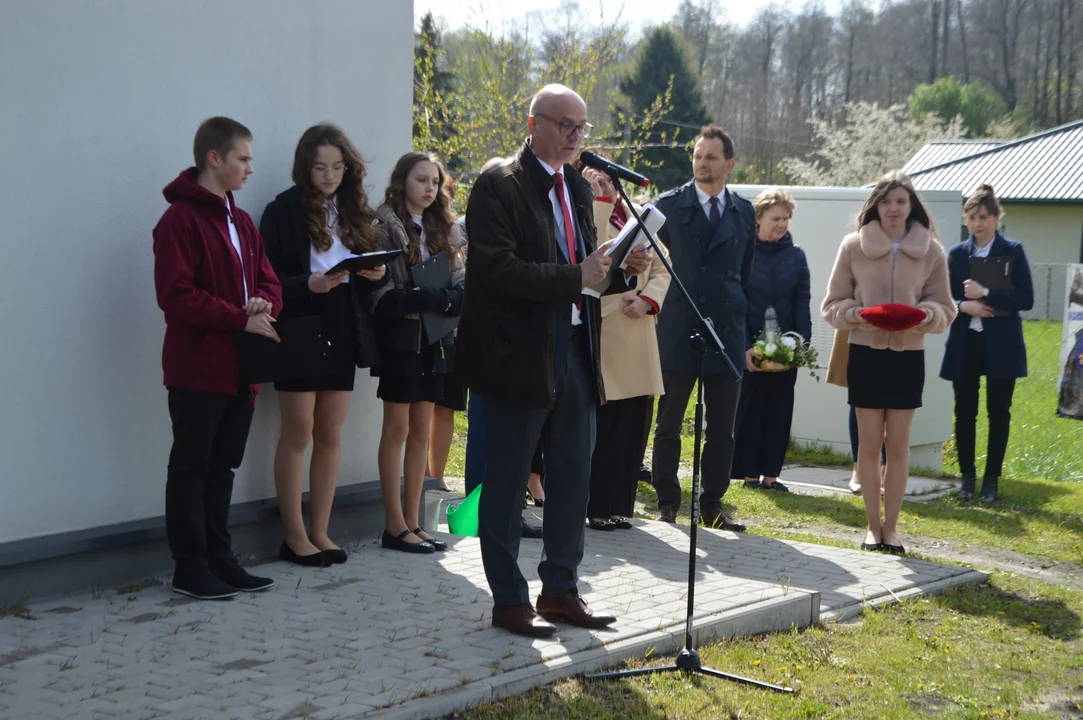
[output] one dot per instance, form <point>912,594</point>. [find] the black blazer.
<point>520,285</point>
<point>1005,353</point>
<point>715,268</point>
<point>285,236</point>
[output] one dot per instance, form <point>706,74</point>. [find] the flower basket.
<point>780,353</point>
<point>766,365</point>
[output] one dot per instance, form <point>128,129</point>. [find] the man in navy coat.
<point>711,235</point>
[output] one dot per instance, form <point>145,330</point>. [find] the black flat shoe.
<point>317,560</point>
<point>966,489</point>
<point>620,523</point>
<point>392,542</point>
<point>872,547</point>
<point>336,556</point>
<point>893,549</point>
<point>436,544</point>
<point>538,502</point>
<point>604,525</point>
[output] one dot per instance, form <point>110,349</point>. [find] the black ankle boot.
<point>989,490</point>
<point>966,492</point>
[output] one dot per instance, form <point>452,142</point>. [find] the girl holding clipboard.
<point>419,221</point>
<point>986,337</point>
<point>308,230</point>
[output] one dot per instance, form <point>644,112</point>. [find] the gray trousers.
<point>567,438</point>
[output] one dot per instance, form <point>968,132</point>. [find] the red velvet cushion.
<point>893,316</point>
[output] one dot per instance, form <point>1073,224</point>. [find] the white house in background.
<point>101,102</point>
<point>1039,179</point>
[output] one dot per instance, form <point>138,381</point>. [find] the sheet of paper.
<point>652,220</point>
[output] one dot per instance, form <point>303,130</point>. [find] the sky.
<point>638,13</point>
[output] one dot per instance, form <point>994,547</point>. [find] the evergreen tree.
<point>662,72</point>
<point>434,91</point>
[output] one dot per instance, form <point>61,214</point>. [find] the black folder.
<point>365,261</point>
<point>435,273</point>
<point>304,351</point>
<point>994,273</point>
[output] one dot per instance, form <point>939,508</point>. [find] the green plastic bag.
<point>462,519</point>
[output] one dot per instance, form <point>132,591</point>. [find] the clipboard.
<point>435,273</point>
<point>304,351</point>
<point>365,261</point>
<point>994,273</point>
<point>627,240</point>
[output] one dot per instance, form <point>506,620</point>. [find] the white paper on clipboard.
<point>627,240</point>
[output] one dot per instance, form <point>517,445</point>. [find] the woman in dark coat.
<point>324,218</point>
<point>986,338</point>
<point>780,280</point>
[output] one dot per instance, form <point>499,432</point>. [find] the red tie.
<point>569,228</point>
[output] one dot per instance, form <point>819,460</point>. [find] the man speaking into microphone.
<point>528,344</point>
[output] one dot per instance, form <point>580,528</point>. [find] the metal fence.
<point>1049,281</point>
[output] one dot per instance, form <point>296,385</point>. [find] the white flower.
<point>789,342</point>
<point>770,350</point>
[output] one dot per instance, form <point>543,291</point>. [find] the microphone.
<point>591,160</point>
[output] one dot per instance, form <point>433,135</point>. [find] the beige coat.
<point>868,273</point>
<point>631,366</point>
<point>840,355</point>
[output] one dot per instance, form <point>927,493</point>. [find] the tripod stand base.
<point>687,662</point>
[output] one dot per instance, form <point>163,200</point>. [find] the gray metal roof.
<point>939,152</point>
<point>1045,167</point>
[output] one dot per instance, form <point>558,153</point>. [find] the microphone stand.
<point>688,660</point>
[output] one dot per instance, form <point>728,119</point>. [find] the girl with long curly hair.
<point>324,218</point>
<point>418,219</point>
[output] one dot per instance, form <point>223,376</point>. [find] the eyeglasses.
<point>567,127</point>
<point>321,169</point>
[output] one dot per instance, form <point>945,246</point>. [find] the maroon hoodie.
<point>197,277</point>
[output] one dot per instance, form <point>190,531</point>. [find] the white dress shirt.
<point>975,322</point>
<point>705,200</point>
<point>235,238</point>
<point>558,215</point>
<point>327,259</point>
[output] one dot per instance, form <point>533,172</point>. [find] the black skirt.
<point>406,389</point>
<point>336,309</point>
<point>885,379</point>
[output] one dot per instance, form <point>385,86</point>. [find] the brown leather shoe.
<point>713,517</point>
<point>522,620</point>
<point>572,609</point>
<point>667,514</point>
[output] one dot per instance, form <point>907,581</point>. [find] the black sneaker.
<point>200,583</point>
<point>231,573</point>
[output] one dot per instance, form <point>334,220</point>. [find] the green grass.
<point>1011,648</point>
<point>1041,444</point>
<point>1008,649</point>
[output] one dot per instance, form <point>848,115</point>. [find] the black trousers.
<point>764,416</point>
<point>512,431</point>
<point>720,394</point>
<point>618,449</point>
<point>998,404</point>
<point>210,431</point>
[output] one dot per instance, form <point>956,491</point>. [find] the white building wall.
<point>101,101</point>
<point>823,217</point>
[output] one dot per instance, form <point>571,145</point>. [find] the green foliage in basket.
<point>791,350</point>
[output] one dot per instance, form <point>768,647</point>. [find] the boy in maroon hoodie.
<point>212,280</point>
